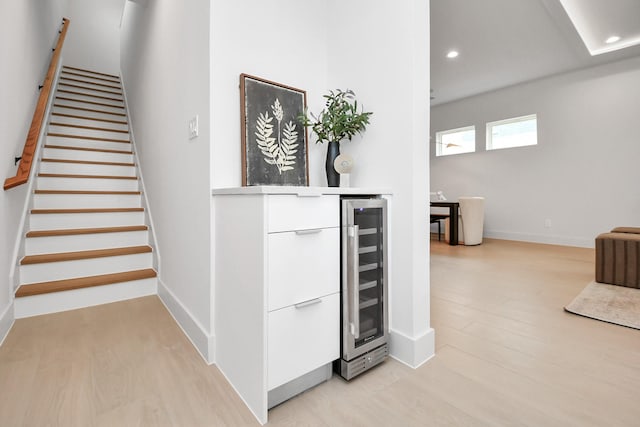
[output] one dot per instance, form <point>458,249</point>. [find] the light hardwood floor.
<point>507,355</point>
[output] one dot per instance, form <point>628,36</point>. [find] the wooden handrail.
<point>29,150</point>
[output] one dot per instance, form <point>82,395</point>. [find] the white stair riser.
<point>80,104</point>
<point>84,220</point>
<point>91,84</point>
<point>45,183</point>
<point>91,133</point>
<point>84,169</point>
<point>84,242</point>
<point>89,89</point>
<point>44,272</point>
<point>59,108</point>
<point>91,156</point>
<point>88,143</point>
<point>89,122</point>
<point>80,298</point>
<point>86,201</point>
<point>83,95</point>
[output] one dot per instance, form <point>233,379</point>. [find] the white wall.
<point>382,52</point>
<point>582,175</point>
<point>93,39</point>
<point>283,41</point>
<point>165,69</point>
<point>29,31</point>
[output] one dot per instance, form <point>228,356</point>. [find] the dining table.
<point>453,218</point>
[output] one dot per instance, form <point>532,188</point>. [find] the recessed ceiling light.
<point>452,54</point>
<point>612,39</point>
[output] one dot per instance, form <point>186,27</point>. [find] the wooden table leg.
<point>453,225</point>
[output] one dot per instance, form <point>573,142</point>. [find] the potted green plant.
<point>339,120</point>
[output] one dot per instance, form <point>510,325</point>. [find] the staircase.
<point>88,239</point>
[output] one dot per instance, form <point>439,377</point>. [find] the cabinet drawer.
<point>288,212</point>
<point>302,338</point>
<point>303,265</point>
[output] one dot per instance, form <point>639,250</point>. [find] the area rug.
<point>609,303</point>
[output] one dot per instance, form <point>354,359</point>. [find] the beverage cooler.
<point>364,293</point>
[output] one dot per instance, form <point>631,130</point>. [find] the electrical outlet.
<point>193,127</point>
<point>547,223</point>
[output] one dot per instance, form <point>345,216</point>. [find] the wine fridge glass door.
<point>365,275</point>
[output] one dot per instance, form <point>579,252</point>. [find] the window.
<point>515,132</point>
<point>456,141</point>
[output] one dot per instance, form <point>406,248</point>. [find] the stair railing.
<point>31,143</point>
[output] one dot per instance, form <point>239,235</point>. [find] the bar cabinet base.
<point>301,384</point>
<point>354,367</point>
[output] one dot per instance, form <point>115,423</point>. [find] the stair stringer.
<point>153,241</point>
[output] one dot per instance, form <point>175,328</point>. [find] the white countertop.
<point>300,191</point>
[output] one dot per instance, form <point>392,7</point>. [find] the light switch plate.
<point>193,127</point>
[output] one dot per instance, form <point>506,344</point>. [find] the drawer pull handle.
<point>311,231</point>
<point>308,303</point>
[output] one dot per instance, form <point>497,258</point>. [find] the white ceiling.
<point>506,42</point>
<point>597,20</point>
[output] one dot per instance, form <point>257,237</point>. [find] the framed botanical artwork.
<point>274,142</point>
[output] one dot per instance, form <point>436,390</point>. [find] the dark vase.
<point>333,151</point>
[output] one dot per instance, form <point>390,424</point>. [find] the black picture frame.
<point>274,142</point>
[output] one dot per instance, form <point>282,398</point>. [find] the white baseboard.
<point>538,238</point>
<point>201,340</point>
<point>6,322</point>
<point>413,352</point>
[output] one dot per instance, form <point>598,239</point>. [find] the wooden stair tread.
<point>102,104</point>
<point>97,119</point>
<point>87,162</point>
<point>100,150</point>
<point>71,79</point>
<point>90,110</point>
<point>68,192</point>
<point>79,255</point>
<point>89,88</point>
<point>83,282</point>
<point>63,175</point>
<point>68,67</point>
<point>79,231</point>
<point>71,73</point>
<point>70,125</point>
<point>90,138</point>
<point>84,210</point>
<point>73,92</point>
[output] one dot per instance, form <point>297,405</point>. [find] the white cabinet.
<point>303,285</point>
<point>277,284</point>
